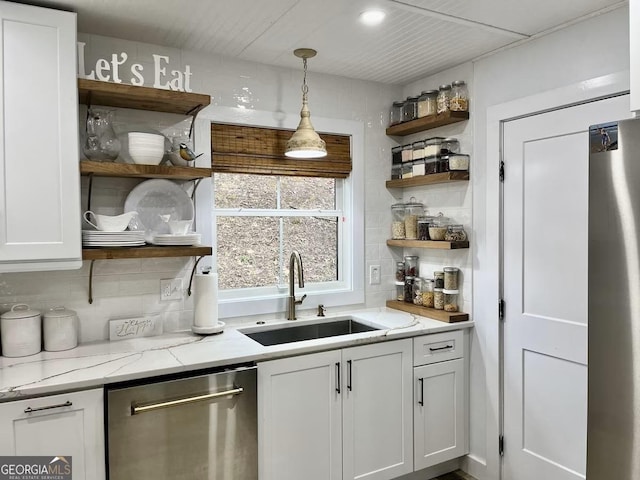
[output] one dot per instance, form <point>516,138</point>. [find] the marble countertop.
<point>97,364</point>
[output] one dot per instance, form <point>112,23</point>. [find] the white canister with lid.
<point>60,328</point>
<point>21,331</point>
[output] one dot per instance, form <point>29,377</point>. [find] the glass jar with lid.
<point>410,266</point>
<point>450,300</point>
<point>407,153</point>
<point>396,113</point>
<point>413,209</point>
<point>442,164</point>
<point>431,165</point>
<point>459,98</point>
<point>408,289</point>
<point>417,168</point>
<point>459,162</point>
<point>397,221</point>
<point>410,109</point>
<point>427,103</point>
<point>400,291</point>
<point>432,146</point>
<point>418,150</point>
<point>427,292</point>
<point>417,291</point>
<point>407,170</point>
<point>438,299</point>
<point>455,233</point>
<point>396,154</point>
<point>399,271</point>
<point>450,278</point>
<point>396,171</point>
<point>450,145</point>
<point>423,227</point>
<point>438,227</point>
<point>438,279</point>
<point>444,97</point>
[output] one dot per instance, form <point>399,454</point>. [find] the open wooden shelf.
<point>95,92</point>
<point>113,169</point>
<point>446,177</point>
<point>433,244</point>
<point>427,123</point>
<point>102,253</point>
<point>441,315</point>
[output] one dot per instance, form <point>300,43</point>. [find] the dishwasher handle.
<point>138,409</point>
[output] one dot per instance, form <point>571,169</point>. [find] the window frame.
<point>350,290</point>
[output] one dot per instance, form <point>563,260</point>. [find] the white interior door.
<point>545,290</point>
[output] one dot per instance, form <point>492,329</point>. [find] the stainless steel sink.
<point>299,333</point>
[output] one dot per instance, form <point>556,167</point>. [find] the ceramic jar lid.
<point>59,312</point>
<point>20,310</point>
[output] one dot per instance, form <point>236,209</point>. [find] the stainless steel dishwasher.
<point>198,427</point>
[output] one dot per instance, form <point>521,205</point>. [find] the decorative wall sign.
<point>114,70</point>
<point>125,328</point>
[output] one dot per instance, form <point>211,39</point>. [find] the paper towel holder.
<point>193,272</point>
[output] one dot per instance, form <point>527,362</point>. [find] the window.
<point>265,207</point>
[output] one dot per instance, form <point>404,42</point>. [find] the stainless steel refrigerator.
<point>613,438</point>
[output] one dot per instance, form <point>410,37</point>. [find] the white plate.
<point>154,198</point>
<point>188,239</point>
<point>106,243</point>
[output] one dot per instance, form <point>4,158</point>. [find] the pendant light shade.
<point>305,142</point>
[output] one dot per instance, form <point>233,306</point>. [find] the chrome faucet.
<point>292,302</point>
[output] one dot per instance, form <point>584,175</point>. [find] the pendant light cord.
<point>305,89</point>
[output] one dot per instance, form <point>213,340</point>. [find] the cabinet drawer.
<point>438,347</point>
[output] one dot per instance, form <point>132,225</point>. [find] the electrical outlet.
<point>170,289</point>
<point>374,275</point>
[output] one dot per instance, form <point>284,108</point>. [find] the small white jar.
<point>21,331</point>
<point>60,328</point>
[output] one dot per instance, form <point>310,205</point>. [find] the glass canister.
<point>396,171</point>
<point>438,279</point>
<point>423,227</point>
<point>442,164</point>
<point>450,300</point>
<point>396,154</point>
<point>397,221</point>
<point>431,165</point>
<point>407,170</point>
<point>399,271</point>
<point>417,291</point>
<point>101,143</point>
<point>427,292</point>
<point>455,233</point>
<point>427,103</point>
<point>418,150</point>
<point>438,299</point>
<point>408,289</point>
<point>450,278</point>
<point>459,98</point>
<point>417,168</point>
<point>410,109</point>
<point>438,227</point>
<point>450,145</point>
<point>444,97</point>
<point>400,291</point>
<point>411,266</point>
<point>407,153</point>
<point>396,113</point>
<point>458,162</point>
<point>432,146</point>
<point>413,210</point>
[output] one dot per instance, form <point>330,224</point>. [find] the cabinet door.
<point>47,426</point>
<point>299,418</point>
<point>377,410</point>
<point>39,175</point>
<point>439,415</point>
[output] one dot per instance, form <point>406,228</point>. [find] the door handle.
<point>59,405</point>
<point>421,388</point>
<point>338,377</point>
<point>349,375</point>
<point>138,409</point>
<point>440,348</point>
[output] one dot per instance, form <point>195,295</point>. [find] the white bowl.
<point>136,138</point>
<point>146,157</point>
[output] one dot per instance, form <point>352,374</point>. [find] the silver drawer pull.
<point>137,409</point>
<point>440,348</point>
<point>60,405</point>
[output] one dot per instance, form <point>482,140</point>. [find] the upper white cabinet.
<point>343,414</point>
<point>634,39</point>
<point>66,425</point>
<point>39,178</point>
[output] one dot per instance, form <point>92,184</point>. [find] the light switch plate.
<point>374,275</point>
<point>170,289</point>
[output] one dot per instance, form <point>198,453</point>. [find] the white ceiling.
<point>417,38</point>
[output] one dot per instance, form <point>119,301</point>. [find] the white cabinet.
<point>39,178</point>
<point>634,50</point>
<point>69,425</point>
<point>440,399</point>
<point>342,414</point>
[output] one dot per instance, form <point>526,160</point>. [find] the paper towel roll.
<point>206,300</point>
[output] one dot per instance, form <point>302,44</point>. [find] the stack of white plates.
<point>170,239</point>
<point>92,238</point>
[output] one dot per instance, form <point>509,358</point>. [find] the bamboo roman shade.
<point>259,150</point>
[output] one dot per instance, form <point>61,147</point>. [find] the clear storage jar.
<point>431,165</point>
<point>396,172</point>
<point>396,154</point>
<point>459,98</point>
<point>418,168</point>
<point>459,162</point>
<point>407,153</point>
<point>427,292</point>
<point>450,278</point>
<point>418,150</point>
<point>413,210</point>
<point>417,291</point>
<point>442,165</point>
<point>397,221</point>
<point>450,300</point>
<point>410,109</point>
<point>450,145</point>
<point>400,291</point>
<point>396,113</point>
<point>400,272</point>
<point>407,170</point>
<point>423,227</point>
<point>455,233</point>
<point>438,299</point>
<point>408,289</point>
<point>427,103</point>
<point>444,97</point>
<point>410,266</point>
<point>432,146</point>
<point>438,228</point>
<point>438,279</point>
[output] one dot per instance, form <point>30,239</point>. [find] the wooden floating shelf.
<point>440,315</point>
<point>427,123</point>
<point>100,253</point>
<point>433,244</point>
<point>113,169</point>
<point>95,92</point>
<point>432,179</point>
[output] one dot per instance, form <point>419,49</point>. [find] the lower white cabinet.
<point>66,425</point>
<point>342,414</point>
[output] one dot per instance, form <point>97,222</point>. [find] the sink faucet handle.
<point>321,310</point>
<point>298,302</point>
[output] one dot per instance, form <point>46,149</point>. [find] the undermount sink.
<point>299,333</point>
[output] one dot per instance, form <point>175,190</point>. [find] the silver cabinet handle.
<point>59,405</point>
<point>137,409</point>
<point>421,401</point>
<point>349,375</point>
<point>338,377</point>
<point>440,348</point>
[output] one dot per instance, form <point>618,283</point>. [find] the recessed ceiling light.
<point>372,17</point>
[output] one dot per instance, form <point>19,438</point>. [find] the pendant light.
<point>305,142</point>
